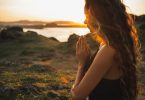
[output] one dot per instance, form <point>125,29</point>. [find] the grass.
<point>38,68</point>
<point>34,83</point>
<point>30,70</point>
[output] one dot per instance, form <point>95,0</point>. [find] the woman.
<point>112,72</point>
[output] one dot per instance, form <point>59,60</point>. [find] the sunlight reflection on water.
<point>61,34</point>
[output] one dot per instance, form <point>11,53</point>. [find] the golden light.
<point>64,80</point>
<point>135,6</point>
<point>44,9</point>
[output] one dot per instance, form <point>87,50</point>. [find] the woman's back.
<point>109,87</point>
<point>109,23</point>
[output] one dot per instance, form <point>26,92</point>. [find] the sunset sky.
<point>48,10</point>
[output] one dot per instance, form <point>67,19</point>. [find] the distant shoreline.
<point>60,33</point>
<point>41,25</point>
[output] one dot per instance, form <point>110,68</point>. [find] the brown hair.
<point>111,23</point>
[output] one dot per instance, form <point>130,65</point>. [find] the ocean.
<point>61,34</point>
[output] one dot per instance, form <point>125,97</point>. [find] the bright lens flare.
<point>43,9</point>
<point>46,10</point>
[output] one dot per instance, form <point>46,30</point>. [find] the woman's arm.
<point>99,67</point>
<point>80,74</point>
<point>83,54</point>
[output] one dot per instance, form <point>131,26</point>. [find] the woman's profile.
<point>112,72</point>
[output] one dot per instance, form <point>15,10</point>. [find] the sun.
<point>46,9</point>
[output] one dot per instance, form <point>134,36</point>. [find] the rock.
<point>92,42</point>
<point>31,33</point>
<point>29,89</point>
<point>7,92</point>
<point>0,29</point>
<point>63,98</point>
<point>61,87</point>
<point>71,43</point>
<point>52,38</point>
<point>140,18</point>
<point>41,68</point>
<point>142,26</point>
<point>15,29</point>
<point>142,41</point>
<point>55,87</point>
<point>72,39</point>
<point>11,33</point>
<point>53,94</point>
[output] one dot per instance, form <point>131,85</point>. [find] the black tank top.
<point>106,89</point>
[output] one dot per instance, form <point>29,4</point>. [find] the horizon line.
<point>52,20</point>
<point>45,21</point>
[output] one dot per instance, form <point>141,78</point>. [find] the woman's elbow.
<point>77,96</point>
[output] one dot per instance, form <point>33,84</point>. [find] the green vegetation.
<point>33,67</point>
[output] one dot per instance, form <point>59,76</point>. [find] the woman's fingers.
<point>78,42</point>
<point>85,44</point>
<point>78,45</point>
<point>82,45</point>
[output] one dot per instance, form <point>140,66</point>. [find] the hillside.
<point>33,67</point>
<point>42,24</point>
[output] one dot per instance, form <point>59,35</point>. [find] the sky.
<point>49,10</point>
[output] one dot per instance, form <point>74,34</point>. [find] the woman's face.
<point>88,20</point>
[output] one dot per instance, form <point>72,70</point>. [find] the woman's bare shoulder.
<point>107,49</point>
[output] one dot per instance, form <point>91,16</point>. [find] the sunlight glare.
<point>48,9</point>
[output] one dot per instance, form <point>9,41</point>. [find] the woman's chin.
<point>89,29</point>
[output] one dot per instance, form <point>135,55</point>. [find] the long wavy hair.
<point>111,24</point>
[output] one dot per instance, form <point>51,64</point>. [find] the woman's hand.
<point>83,51</point>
